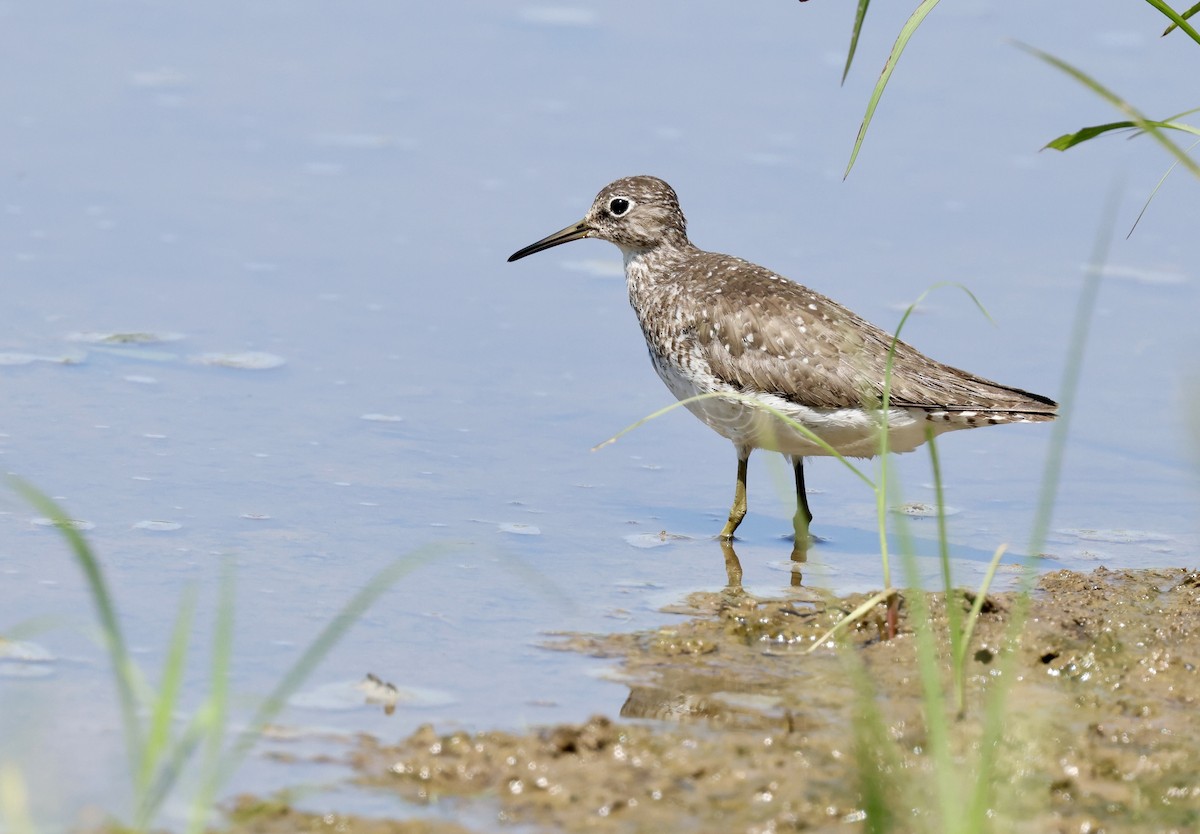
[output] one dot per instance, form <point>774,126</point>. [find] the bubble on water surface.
<point>558,16</point>
<point>247,361</point>
<point>520,529</point>
<point>119,337</point>
<point>361,141</point>
<point>1114,536</point>
<point>72,523</point>
<point>22,659</point>
<point>16,358</point>
<point>918,509</point>
<point>158,78</point>
<point>158,526</point>
<point>1141,275</point>
<point>649,540</point>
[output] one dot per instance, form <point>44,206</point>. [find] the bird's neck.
<point>653,264</point>
<point>651,277</point>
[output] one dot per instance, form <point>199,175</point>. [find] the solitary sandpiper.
<point>716,324</point>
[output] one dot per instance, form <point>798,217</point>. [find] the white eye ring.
<point>619,206</point>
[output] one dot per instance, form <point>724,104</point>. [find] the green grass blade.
<point>652,416</point>
<point>853,617</point>
<point>993,724</point>
<point>1180,21</point>
<point>859,16</point>
<point>32,627</point>
<point>1185,16</point>
<point>732,395</point>
<point>1179,116</point>
<point>1070,140</point>
<point>124,671</point>
<point>881,493</point>
<point>881,770</point>
<point>1136,116</point>
<point>937,725</point>
<point>214,715</point>
<point>1154,192</point>
<point>988,576</point>
<point>14,801</point>
<point>1076,347</point>
<point>953,615</point>
<point>906,32</point>
<point>165,703</point>
<point>173,764</point>
<point>960,660</point>
<point>940,500</point>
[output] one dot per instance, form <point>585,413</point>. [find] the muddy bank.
<point>749,733</point>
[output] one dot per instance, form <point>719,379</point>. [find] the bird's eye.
<point>618,206</point>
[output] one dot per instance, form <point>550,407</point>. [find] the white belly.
<point>748,420</point>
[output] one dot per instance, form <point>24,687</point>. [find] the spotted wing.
<point>759,331</point>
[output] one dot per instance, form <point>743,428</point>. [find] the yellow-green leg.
<point>738,511</point>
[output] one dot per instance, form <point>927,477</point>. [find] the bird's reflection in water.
<point>733,565</point>
<point>697,684</point>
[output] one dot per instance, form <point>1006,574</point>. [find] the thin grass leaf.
<point>1185,16</point>
<point>993,725</point>
<point>652,416</point>
<point>32,627</point>
<point>1136,116</point>
<point>853,617</point>
<point>214,716</point>
<point>939,492</point>
<point>881,480</point>
<point>14,801</point>
<point>981,596</point>
<point>988,576</point>
<point>937,726</point>
<point>882,490</point>
<point>1070,140</point>
<point>1085,312</point>
<point>733,395</point>
<point>906,32</point>
<point>1180,21</point>
<point>124,670</point>
<point>164,705</point>
<point>1085,134</point>
<point>968,630</point>
<point>1154,192</point>
<point>172,767</point>
<point>859,16</point>
<point>953,615</point>
<point>1179,116</point>
<point>876,753</point>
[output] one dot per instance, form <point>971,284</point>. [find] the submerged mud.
<point>750,732</point>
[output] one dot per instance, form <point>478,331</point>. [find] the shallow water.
<point>331,194</point>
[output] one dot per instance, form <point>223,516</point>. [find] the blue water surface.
<point>256,312</point>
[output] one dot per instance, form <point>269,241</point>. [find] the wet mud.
<point>731,724</point>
